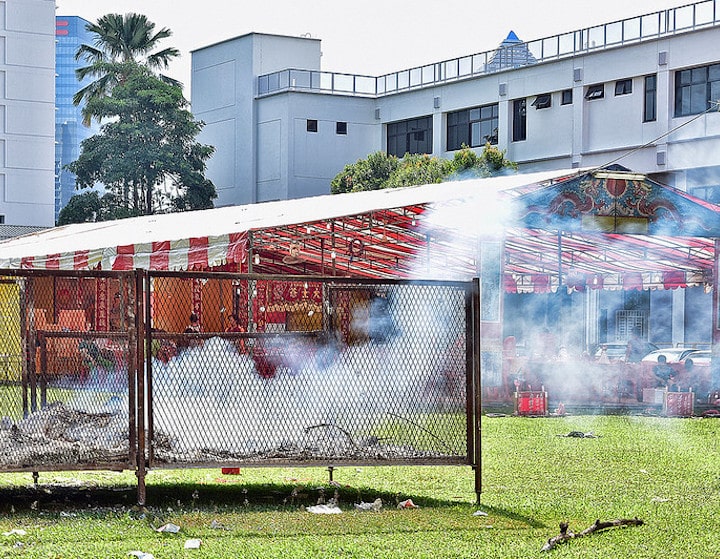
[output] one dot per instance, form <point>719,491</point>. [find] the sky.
<point>371,37</point>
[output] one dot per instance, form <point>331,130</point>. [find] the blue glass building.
<point>70,33</point>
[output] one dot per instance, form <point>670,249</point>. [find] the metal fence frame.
<point>33,352</point>
<point>141,396</point>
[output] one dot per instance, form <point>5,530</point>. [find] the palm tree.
<point>121,42</point>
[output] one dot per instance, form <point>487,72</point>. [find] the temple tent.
<point>606,228</point>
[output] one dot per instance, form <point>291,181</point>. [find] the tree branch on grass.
<point>565,534</point>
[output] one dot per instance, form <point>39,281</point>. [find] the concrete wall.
<point>27,111</point>
<point>265,153</point>
<point>222,96</point>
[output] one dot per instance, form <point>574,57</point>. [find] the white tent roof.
<point>103,239</point>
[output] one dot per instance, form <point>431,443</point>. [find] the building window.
<point>623,87</point>
<point>542,101</point>
<point>595,91</point>
<point>566,97</point>
<point>707,193</point>
<point>650,101</point>
<point>695,89</point>
<point>410,136</point>
<point>2,219</point>
<point>341,128</point>
<point>312,125</point>
<point>519,120</point>
<point>472,127</point>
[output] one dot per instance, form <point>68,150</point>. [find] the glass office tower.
<point>70,33</point>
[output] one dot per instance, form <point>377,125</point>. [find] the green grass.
<point>665,471</point>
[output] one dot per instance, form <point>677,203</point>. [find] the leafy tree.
<point>365,174</point>
<point>419,169</point>
<point>81,208</point>
<point>380,170</point>
<point>146,154</point>
<point>491,161</point>
<point>90,206</point>
<point>119,39</point>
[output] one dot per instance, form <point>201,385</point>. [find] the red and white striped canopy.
<point>397,233</point>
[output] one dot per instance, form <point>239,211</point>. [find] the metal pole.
<point>473,382</point>
<point>140,362</point>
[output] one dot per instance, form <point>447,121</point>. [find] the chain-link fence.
<point>67,383</point>
<point>111,370</point>
<point>307,370</point>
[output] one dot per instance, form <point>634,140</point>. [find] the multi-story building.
<point>641,92</point>
<point>27,111</point>
<point>70,33</point>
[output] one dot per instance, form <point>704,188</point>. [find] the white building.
<point>633,92</point>
<point>27,112</point>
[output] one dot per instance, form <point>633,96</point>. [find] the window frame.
<point>564,95</point>
<point>311,125</point>
<point>519,129</point>
<point>623,87</point>
<point>650,98</point>
<point>595,91</point>
<point>542,101</point>
<point>695,88</point>
<point>341,128</point>
<point>464,127</point>
<point>414,133</point>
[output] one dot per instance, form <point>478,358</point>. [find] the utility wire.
<point>714,105</point>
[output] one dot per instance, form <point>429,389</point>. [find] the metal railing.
<point>681,19</point>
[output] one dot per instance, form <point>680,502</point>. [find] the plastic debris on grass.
<point>324,509</point>
<point>141,555</point>
<point>375,506</point>
<point>193,543</point>
<point>15,532</point>
<point>169,528</point>
<point>480,513</point>
<point>407,504</point>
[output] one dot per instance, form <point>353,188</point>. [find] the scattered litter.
<point>643,471</point>
<point>480,513</point>
<point>34,505</point>
<point>407,504</point>
<point>659,500</point>
<point>141,554</point>
<point>375,506</point>
<point>580,435</point>
<point>15,532</point>
<point>324,509</point>
<point>193,544</point>
<point>495,415</point>
<point>169,528</point>
<point>215,525</point>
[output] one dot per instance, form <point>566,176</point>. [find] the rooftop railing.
<point>681,19</point>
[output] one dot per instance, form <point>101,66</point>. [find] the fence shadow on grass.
<point>75,496</point>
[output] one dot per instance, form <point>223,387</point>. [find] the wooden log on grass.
<point>566,534</point>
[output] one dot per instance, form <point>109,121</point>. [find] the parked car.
<point>673,355</point>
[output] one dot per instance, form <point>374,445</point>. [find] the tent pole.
<point>715,361</point>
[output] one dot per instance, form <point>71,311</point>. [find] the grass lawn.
<point>665,471</point>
